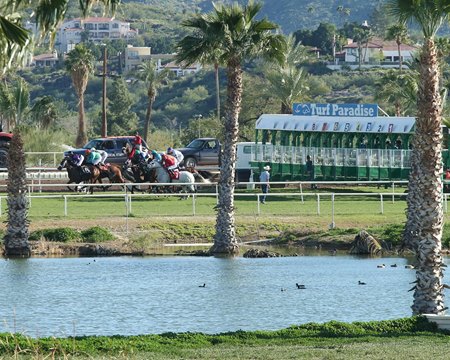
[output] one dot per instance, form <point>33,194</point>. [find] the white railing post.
<point>259,204</point>
<point>333,224</point>
<point>318,204</point>
<point>39,175</point>
<point>193,204</point>
<point>381,203</point>
<point>301,192</point>
<point>65,205</point>
<point>393,191</point>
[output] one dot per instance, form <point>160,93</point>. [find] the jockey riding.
<point>177,155</point>
<point>93,157</point>
<point>76,159</point>
<point>103,155</point>
<point>170,163</point>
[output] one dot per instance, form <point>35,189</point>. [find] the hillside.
<point>292,15</point>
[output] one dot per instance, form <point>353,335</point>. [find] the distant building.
<point>378,50</point>
<point>45,60</point>
<point>134,56</point>
<point>97,29</point>
<point>180,69</point>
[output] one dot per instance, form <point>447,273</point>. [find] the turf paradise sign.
<point>350,110</point>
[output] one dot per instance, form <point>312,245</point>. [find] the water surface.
<point>106,296</point>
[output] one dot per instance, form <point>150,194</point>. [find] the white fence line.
<point>128,197</point>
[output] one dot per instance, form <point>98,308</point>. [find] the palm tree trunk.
<point>216,74</point>
<point>400,62</point>
<point>82,136</point>
<point>148,116</point>
<point>16,237</point>
<point>426,191</point>
<point>225,242</point>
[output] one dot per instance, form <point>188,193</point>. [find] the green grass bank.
<point>408,338</point>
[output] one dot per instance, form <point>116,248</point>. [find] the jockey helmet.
<point>70,153</point>
<point>154,152</point>
<point>169,150</point>
<point>88,151</point>
<point>93,149</point>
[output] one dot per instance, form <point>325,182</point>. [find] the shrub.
<point>57,235</point>
<point>96,234</point>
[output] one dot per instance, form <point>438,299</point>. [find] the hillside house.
<point>97,29</point>
<point>378,52</point>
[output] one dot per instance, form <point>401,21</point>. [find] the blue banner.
<point>344,110</point>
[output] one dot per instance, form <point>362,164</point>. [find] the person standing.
<point>310,171</point>
<point>264,179</point>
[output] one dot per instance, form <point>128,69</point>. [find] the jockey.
<point>137,141</point>
<point>169,163</point>
<point>156,156</point>
<point>75,159</point>
<point>103,155</point>
<point>93,157</point>
<point>177,155</point>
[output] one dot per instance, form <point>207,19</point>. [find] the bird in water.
<point>409,267</point>
<point>300,286</point>
<point>394,265</point>
<point>283,289</point>
<point>204,285</point>
<point>361,282</point>
<point>382,266</point>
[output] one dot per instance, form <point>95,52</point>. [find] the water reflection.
<point>105,296</point>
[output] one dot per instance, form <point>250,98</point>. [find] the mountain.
<point>292,15</point>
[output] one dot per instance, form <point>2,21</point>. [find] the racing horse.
<point>186,179</point>
<point>91,173</point>
<point>77,175</point>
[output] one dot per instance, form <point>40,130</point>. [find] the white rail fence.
<point>296,197</point>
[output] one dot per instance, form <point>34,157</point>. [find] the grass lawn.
<point>409,338</point>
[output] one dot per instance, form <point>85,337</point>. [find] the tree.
<point>399,33</point>
<point>44,112</point>
<point>16,237</point>
<point>80,64</point>
<point>147,72</point>
<point>15,40</point>
<point>14,101</point>
<point>424,225</point>
<point>122,119</point>
<point>236,34</point>
<point>399,89</point>
<point>288,81</point>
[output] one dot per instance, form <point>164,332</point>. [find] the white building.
<point>71,32</point>
<point>378,51</point>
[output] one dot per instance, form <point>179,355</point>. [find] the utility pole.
<point>104,122</point>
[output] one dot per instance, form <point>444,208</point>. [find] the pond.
<point>151,295</point>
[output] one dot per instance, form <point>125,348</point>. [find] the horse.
<point>76,174</point>
<point>91,173</point>
<point>162,176</point>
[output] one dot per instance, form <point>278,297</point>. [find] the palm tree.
<point>14,101</point>
<point>44,111</point>
<point>148,73</point>
<point>16,237</point>
<point>80,64</point>
<point>399,33</point>
<point>15,40</point>
<point>399,89</point>
<point>237,36</point>
<point>288,81</point>
<point>424,200</point>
